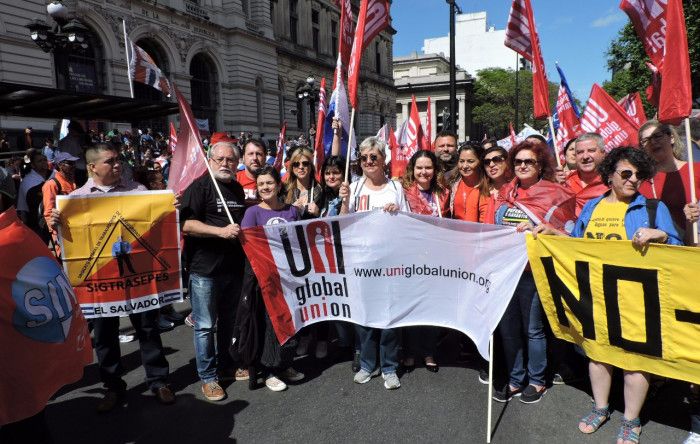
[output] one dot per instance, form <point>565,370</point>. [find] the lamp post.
<point>454,9</point>
<point>307,92</point>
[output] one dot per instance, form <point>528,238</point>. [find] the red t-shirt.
<point>667,188</point>
<point>249,188</point>
<point>468,204</point>
<point>585,193</point>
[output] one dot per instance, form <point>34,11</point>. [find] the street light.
<point>307,91</point>
<point>454,9</point>
<point>67,35</point>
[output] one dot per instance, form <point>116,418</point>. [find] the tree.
<point>494,100</point>
<point>627,59</point>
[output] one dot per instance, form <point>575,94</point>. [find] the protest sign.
<point>44,340</point>
<point>633,309</point>
<point>121,251</point>
<point>387,271</point>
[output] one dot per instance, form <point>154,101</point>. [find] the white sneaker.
<point>291,375</point>
<point>321,349</point>
<point>391,381</point>
<point>126,338</point>
<point>363,376</point>
<point>692,438</point>
<point>275,384</point>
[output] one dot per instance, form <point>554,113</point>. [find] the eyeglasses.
<point>655,137</point>
<point>627,174</point>
<point>222,160</point>
<point>371,157</point>
<point>495,159</point>
<point>303,164</point>
<point>526,162</point>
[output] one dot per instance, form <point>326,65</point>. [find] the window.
<point>293,21</point>
<point>378,58</point>
<point>315,29</point>
<point>334,38</point>
<point>204,86</point>
<point>246,8</point>
<point>272,10</point>
<point>259,100</point>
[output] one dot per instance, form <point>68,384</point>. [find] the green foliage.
<point>494,100</point>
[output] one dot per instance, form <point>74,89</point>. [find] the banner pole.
<point>554,141</point>
<point>490,401</point>
<point>128,61</point>
<point>347,151</point>
<point>691,172</point>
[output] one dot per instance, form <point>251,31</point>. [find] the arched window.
<point>81,71</point>
<point>259,101</point>
<point>204,87</point>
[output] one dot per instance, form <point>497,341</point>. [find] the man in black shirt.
<point>215,258</point>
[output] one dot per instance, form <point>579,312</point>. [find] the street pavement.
<point>327,407</point>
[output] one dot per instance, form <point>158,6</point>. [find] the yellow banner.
<point>121,251</point>
<point>636,310</point>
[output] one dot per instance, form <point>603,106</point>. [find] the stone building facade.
<point>239,62</point>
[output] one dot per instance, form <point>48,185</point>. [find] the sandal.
<point>627,432</point>
<point>595,419</point>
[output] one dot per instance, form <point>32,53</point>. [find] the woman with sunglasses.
<point>300,181</point>
<point>671,183</point>
<point>622,213</point>
<point>375,192</point>
<point>497,173</point>
<point>524,202</point>
<point>469,193</point>
<point>275,359</point>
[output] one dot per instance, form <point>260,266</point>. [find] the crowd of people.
<point>639,194</point>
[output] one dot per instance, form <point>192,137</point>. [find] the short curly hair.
<point>638,158</point>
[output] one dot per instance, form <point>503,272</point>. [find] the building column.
<point>461,115</point>
<point>433,120</point>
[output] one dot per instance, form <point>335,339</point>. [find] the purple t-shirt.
<point>256,216</point>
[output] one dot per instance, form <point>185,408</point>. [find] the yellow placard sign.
<point>634,309</point>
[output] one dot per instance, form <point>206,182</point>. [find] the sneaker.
<point>356,362</point>
<point>303,346</point>
<point>189,321</point>
<point>213,391</point>
<point>484,376</point>
<point>126,338</point>
<point>242,374</point>
<point>692,438</point>
<point>532,395</point>
<point>558,379</point>
<point>321,349</point>
<point>506,394</point>
<point>275,384</point>
<point>291,375</point>
<point>363,376</point>
<point>391,381</point>
<point>164,324</point>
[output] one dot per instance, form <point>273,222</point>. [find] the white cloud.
<point>609,19</point>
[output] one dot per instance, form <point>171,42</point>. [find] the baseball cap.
<point>63,156</point>
<point>221,137</point>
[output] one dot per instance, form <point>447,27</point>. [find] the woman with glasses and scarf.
<point>531,198</point>
<point>375,192</point>
<point>622,213</point>
<point>671,183</point>
<point>469,193</point>
<point>301,190</point>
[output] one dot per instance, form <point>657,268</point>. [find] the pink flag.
<point>429,129</point>
<point>188,162</point>
<point>513,138</point>
<point>632,104</point>
<point>347,35</point>
<point>280,147</point>
<point>172,140</point>
<point>569,123</point>
<point>319,149</point>
<point>604,116</point>
<point>414,131</point>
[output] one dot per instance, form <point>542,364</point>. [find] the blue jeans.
<point>388,348</point>
<point>521,328</point>
<point>214,301</point>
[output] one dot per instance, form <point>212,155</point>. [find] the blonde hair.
<point>292,180</point>
<point>678,145</point>
<point>373,143</point>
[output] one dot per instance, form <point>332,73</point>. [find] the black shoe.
<point>506,394</point>
<point>356,362</point>
<point>531,395</point>
<point>164,324</point>
<point>484,376</point>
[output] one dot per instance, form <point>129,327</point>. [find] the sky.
<point>574,33</point>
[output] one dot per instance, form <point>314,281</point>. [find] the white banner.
<point>387,271</point>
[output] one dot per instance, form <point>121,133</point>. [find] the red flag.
<point>188,162</point>
<point>428,144</point>
<point>521,37</point>
<point>569,123</point>
<point>172,140</point>
<point>604,116</point>
<point>632,104</point>
<point>347,32</point>
<point>661,27</point>
<point>414,130</point>
<point>372,19</point>
<point>400,154</point>
<point>44,340</point>
<point>653,90</point>
<point>319,149</point>
<point>513,138</point>
<point>280,147</point>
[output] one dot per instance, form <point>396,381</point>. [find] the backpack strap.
<point>58,186</point>
<point>652,205</point>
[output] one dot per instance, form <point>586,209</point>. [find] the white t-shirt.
<point>364,199</point>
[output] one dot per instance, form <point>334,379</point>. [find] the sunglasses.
<point>627,174</point>
<point>371,157</point>
<point>526,162</point>
<point>303,164</point>
<point>654,137</point>
<point>494,159</point>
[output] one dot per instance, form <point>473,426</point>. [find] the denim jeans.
<point>214,301</point>
<point>522,328</point>
<point>388,348</point>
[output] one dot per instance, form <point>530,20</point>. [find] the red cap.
<point>221,137</point>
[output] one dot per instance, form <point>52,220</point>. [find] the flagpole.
<point>691,172</point>
<point>490,401</point>
<point>554,141</point>
<point>128,62</point>
<point>347,151</point>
